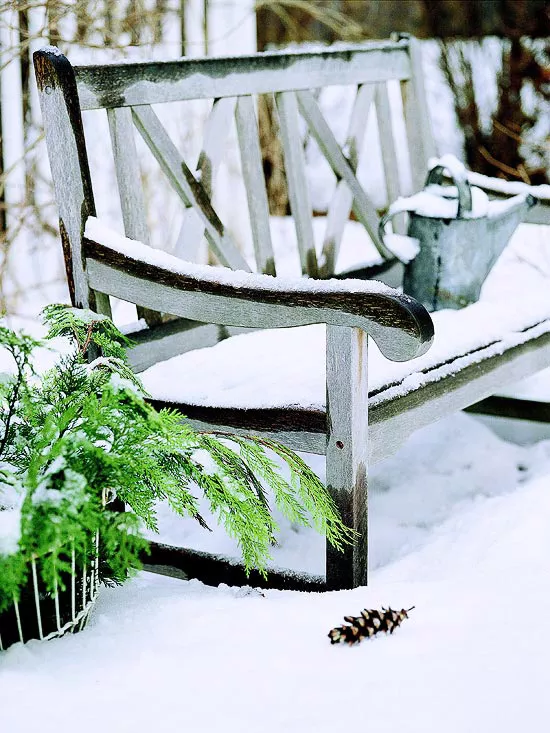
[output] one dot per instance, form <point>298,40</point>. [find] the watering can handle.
<point>458,177</point>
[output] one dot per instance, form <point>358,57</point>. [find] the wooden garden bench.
<point>371,408</point>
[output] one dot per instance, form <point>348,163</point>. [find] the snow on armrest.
<point>133,271</point>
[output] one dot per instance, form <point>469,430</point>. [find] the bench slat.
<point>362,207</point>
<point>189,236</point>
<point>417,119</point>
<point>298,190</point>
<point>389,153</point>
<point>123,85</point>
<point>216,131</point>
<point>130,190</point>
<point>179,562</point>
<point>342,200</point>
<point>186,186</point>
<point>251,161</point>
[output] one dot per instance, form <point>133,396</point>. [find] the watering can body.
<point>457,255</point>
<point>457,252</point>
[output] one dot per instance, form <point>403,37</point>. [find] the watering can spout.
<point>513,209</point>
<point>504,217</point>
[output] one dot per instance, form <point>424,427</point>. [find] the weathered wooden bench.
<point>370,408</point>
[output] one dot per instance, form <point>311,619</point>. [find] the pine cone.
<point>369,623</point>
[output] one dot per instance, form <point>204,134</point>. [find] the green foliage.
<point>83,434</point>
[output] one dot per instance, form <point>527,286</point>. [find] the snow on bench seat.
<point>280,368</point>
<point>285,368</point>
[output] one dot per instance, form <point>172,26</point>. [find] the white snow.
<point>509,187</point>
<point>465,541</point>
<point>261,369</point>
<point>54,50</point>
<point>98,232</point>
<point>10,530</point>
<point>403,247</point>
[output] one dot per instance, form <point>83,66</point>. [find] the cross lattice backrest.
<point>128,91</point>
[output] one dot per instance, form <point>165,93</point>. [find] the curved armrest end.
<point>402,329</point>
<point>401,326</point>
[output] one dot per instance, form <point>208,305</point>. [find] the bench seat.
<point>273,381</point>
<point>279,368</point>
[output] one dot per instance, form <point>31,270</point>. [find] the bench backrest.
<point>127,91</point>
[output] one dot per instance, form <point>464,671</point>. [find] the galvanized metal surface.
<point>457,255</point>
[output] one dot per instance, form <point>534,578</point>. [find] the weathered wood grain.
<point>393,420</point>
<point>296,179</point>
<point>389,152</point>
<point>293,439</point>
<point>187,187</point>
<point>130,190</point>
<point>68,162</point>
<point>216,132</point>
<point>253,177</point>
<point>417,118</point>
<point>258,420</point>
<point>179,562</point>
<point>102,304</point>
<point>347,451</point>
<point>401,327</point>
<point>342,201</point>
<point>123,85</point>
<point>363,209</point>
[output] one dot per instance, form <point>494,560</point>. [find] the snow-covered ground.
<point>459,529</point>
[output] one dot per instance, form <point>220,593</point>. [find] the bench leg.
<point>347,450</point>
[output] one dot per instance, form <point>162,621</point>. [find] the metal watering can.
<point>461,235</point>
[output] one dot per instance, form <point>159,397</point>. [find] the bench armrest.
<point>115,265</point>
